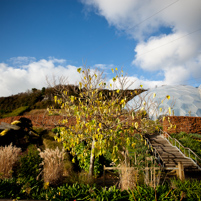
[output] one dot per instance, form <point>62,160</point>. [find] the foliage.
<point>84,164</point>
<point>98,121</point>
<point>49,141</point>
<point>16,112</point>
<point>139,152</point>
<point>195,136</point>
<point>12,188</point>
<point>188,140</point>
<point>189,190</point>
<point>29,164</point>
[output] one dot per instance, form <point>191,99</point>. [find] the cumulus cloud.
<point>178,57</point>
<point>103,66</point>
<point>16,61</point>
<point>33,75</point>
<point>175,52</point>
<point>133,82</point>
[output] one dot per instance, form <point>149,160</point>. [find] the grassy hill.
<point>17,104</point>
<point>40,99</point>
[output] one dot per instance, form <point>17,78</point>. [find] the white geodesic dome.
<point>183,101</point>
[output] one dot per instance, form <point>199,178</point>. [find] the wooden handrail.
<point>159,156</point>
<point>163,134</point>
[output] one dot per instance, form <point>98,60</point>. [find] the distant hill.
<point>40,99</point>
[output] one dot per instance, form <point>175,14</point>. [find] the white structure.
<point>169,100</point>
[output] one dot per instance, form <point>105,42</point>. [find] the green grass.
<point>195,135</point>
<point>16,112</point>
<point>188,140</point>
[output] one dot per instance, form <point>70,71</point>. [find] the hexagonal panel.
<point>184,100</point>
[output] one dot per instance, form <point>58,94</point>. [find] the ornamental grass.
<point>53,165</point>
<point>8,158</point>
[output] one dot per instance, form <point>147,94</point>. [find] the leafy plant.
<point>84,162</point>
<point>189,190</point>
<point>188,141</point>
<point>98,120</point>
<point>195,135</point>
<point>29,164</point>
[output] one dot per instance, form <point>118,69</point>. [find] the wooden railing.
<point>155,152</point>
<point>187,152</point>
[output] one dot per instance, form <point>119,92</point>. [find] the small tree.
<point>98,118</point>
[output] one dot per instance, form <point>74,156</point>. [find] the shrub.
<point>49,141</point>
<point>8,157</point>
<point>29,164</point>
<point>53,165</point>
<point>84,162</point>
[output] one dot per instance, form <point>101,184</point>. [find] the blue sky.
<point>156,42</point>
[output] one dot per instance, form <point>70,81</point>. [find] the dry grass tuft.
<point>8,157</point>
<point>128,177</point>
<point>53,165</point>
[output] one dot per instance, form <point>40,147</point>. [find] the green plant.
<point>56,130</point>
<point>139,152</point>
<point>188,141</point>
<point>176,190</point>
<point>188,189</point>
<point>98,119</point>
<point>9,188</point>
<point>84,162</point>
<point>195,135</point>
<point>29,164</point>
<point>15,189</point>
<point>49,141</point>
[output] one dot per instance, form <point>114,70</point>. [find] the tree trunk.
<point>92,159</point>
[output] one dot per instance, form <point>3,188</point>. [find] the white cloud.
<point>135,82</point>
<point>103,67</point>
<point>172,54</point>
<point>16,61</point>
<point>166,51</point>
<point>33,75</point>
<point>141,17</point>
<point>177,52</point>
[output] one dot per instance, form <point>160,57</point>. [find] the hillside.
<point>35,99</point>
<point>18,104</point>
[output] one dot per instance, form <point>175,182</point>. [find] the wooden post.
<point>154,178</point>
<point>103,175</point>
<point>135,159</point>
<point>180,171</point>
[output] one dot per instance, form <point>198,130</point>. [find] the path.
<point>170,155</point>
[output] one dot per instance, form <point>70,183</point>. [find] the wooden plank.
<point>170,155</point>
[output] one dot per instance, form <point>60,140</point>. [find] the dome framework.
<point>175,100</point>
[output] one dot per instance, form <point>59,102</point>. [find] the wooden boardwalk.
<point>171,155</point>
